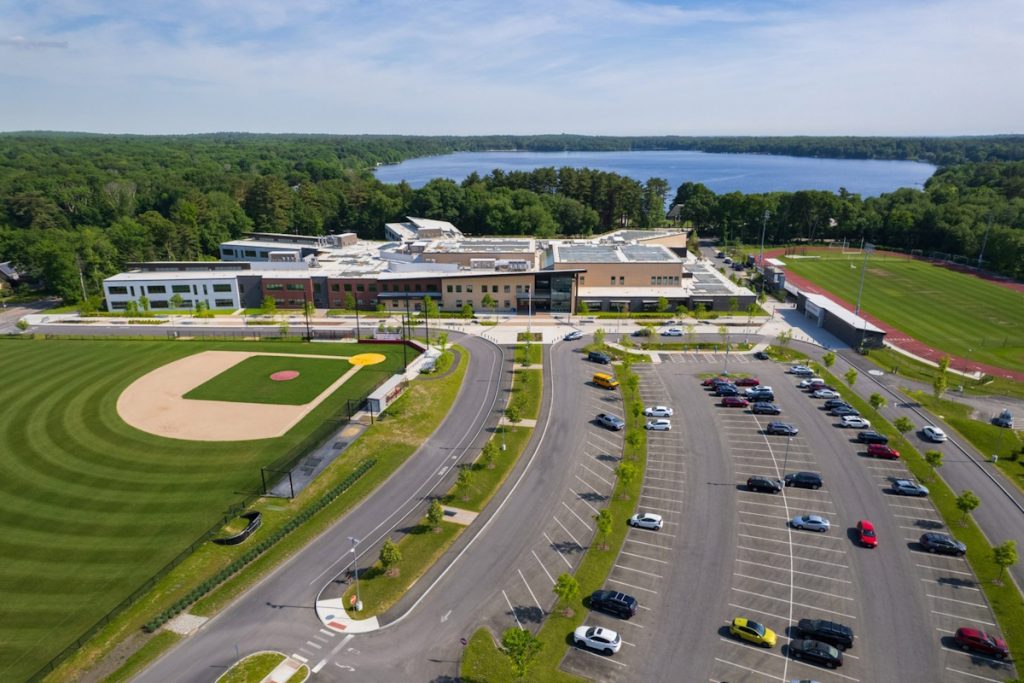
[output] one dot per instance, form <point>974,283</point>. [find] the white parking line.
<point>780,656</point>
<point>614,445</point>
<point>643,557</point>
<point>962,602</point>
<point>567,531</point>
<point>670,470</point>
<point>776,540</point>
<point>332,634</point>
<point>661,488</point>
<point>762,565</point>
<point>666,500</point>
<point>584,500</point>
<point>555,548</point>
<point>747,668</point>
<point>649,508</point>
<point>530,590</point>
<point>598,475</point>
<point>972,655</point>
<point>300,658</point>
<point>316,645</point>
<point>653,545</point>
<point>638,571</point>
<point>963,618</point>
<point>674,481</point>
<point>926,508</point>
<point>799,588</point>
<point>551,578</point>
<point>968,673</point>
<point>794,602</point>
<point>941,569</point>
<point>917,517</point>
<point>795,557</point>
<point>602,463</point>
<point>761,514</point>
<point>582,521</point>
<point>631,586</point>
<point>601,657</point>
<point>511,608</point>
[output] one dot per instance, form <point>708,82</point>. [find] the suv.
<point>726,390</point>
<point>764,485</point>
<point>760,394</point>
<point>765,408</point>
<point>942,543</point>
<point>612,422</point>
<point>827,632</point>
<point>612,602</point>
<point>836,403</point>
<point>783,428</point>
<point>871,436</point>
<point>1004,419</point>
<point>598,357</point>
<point>979,641</point>
<point>807,480</point>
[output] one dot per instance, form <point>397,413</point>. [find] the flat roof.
<point>848,317</point>
<point>261,244</point>
<point>136,276</point>
<point>563,252</point>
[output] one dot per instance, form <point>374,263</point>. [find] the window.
<point>117,290</point>
<point>507,304</point>
<point>223,303</point>
<point>508,289</point>
<point>458,288</point>
<point>653,280</point>
<point>296,286</point>
<point>119,305</point>
<point>228,252</point>
<point>373,288</point>
<point>273,286</point>
<point>157,289</point>
<point>222,288</point>
<point>469,288</point>
<point>250,252</point>
<point>519,289</point>
<point>419,287</point>
<point>582,280</point>
<point>406,287</point>
<point>159,303</point>
<point>360,288</point>
<point>335,287</point>
<point>458,303</point>
<point>264,254</point>
<point>622,279</point>
<point>613,279</point>
<point>348,286</point>
<point>431,287</point>
<point>527,288</point>
<point>179,289</point>
<point>450,288</point>
<point>336,303</point>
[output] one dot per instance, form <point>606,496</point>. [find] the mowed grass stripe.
<point>249,381</point>
<point>93,507</point>
<point>950,311</point>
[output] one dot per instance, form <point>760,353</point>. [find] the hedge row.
<point>224,574</point>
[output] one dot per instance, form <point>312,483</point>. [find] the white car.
<point>658,411</point>
<point>808,381</point>
<point>825,393</point>
<point>810,522</point>
<point>933,433</point>
<point>597,638</point>
<point>659,425</point>
<point>854,422</point>
<point>800,370</point>
<point>573,336</point>
<point>672,332</point>
<point>646,520</point>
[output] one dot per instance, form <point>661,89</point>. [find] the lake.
<point>747,173</point>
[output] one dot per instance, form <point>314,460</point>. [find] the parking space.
<point>641,568</point>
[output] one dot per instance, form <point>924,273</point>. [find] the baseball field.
<point>956,313</point>
<point>92,507</point>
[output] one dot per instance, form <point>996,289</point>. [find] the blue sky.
<point>899,67</point>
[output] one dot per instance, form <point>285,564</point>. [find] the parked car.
<point>808,382</point>
<point>747,382</point>
<point>646,520</point>
<point>943,544</point>
<point>783,428</point>
<point>1003,419</point>
<point>597,638</point>
<point>764,485</point>
<point>817,652</point>
<point>722,389</point>
<point>613,602</point>
<point>762,355</point>
<point>765,408</point>
<point>908,487</point>
<point>973,639</point>
<point>612,422</point>
<point>836,635</point>
<point>643,332</point>
<point>672,332</point>
<point>933,433</point>
<point>842,411</point>
<point>800,370</point>
<point>573,336</point>
<point>866,535</point>
<point>662,424</point>
<point>712,381</point>
<point>734,402</point>
<point>853,422</point>
<point>871,436</point>
<point>825,393</point>
<point>752,632</point>
<point>658,411</point>
<point>810,522</point>
<point>807,480</point>
<point>880,450</point>
<point>836,403</point>
<point>763,389</point>
<point>598,357</point>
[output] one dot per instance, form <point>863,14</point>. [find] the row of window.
<point>459,302</point>
<point>162,289</point>
<point>165,303</point>
<point>664,279</point>
<point>520,289</point>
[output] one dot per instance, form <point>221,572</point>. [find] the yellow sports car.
<point>749,630</point>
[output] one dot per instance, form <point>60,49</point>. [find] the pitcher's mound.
<point>284,375</point>
<point>367,359</point>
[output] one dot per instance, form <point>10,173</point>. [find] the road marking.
<point>638,571</point>
<point>1002,663</point>
<point>671,481</point>
<point>555,548</point>
<point>542,566</point>
<point>799,588</point>
<point>444,617</point>
<point>793,602</point>
<point>781,656</point>
<point>761,514</point>
<point>578,544</point>
<point>950,571</point>
<point>319,665</point>
<point>582,521</point>
<point>631,586</point>
<point>579,648</point>
<point>530,590</point>
<point>511,608</point>
<point>653,545</point>
<point>332,634</point>
<point>962,602</point>
<point>316,645</point>
<point>442,471</point>
<point>747,668</point>
<point>346,667</point>
<point>777,540</point>
<point>942,583</point>
<point>660,488</point>
<point>598,475</point>
<point>968,673</point>
<point>603,464</point>
<point>762,565</point>
<point>666,469</point>
<point>912,507</point>
<point>643,557</point>
<point>300,658</point>
<point>963,618</point>
<point>581,498</point>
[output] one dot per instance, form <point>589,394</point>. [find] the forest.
<point>76,208</point>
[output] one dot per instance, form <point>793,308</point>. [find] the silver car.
<point>646,520</point>
<point>810,522</point>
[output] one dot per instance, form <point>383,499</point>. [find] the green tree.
<point>467,311</point>
<point>463,482</point>
<point>662,304</point>
<point>582,308</point>
<point>177,301</point>
<point>521,647</point>
<point>877,401</point>
<point>599,337</point>
<point>283,328</point>
<point>751,310</point>
<point>939,384</point>
<point>627,473</point>
<point>723,332</point>
<point>430,308</point>
<point>682,311</point>
<point>700,312</point>
<point>850,376</point>
<point>934,460</point>
<point>604,521</point>
<point>435,515</point>
<point>90,305</point>
<point>1004,555</point>
<point>308,309</point>
<point>390,556</point>
<point>513,412</point>
<point>567,588</point>
<point>269,305</point>
<point>829,359</point>
<point>488,454</point>
<point>442,340</point>
<point>144,304</point>
<point>967,502</point>
<point>350,301</point>
<point>785,337</point>
<point>903,424</point>
<point>488,302</point>
<point>131,308</point>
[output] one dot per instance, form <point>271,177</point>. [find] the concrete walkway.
<point>283,671</point>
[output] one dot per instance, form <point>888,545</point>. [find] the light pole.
<point>355,570</point>
<point>764,226</point>
<point>967,370</point>
<point>785,461</point>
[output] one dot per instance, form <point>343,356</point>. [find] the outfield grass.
<point>93,507</point>
<point>956,313</point>
<point>249,381</point>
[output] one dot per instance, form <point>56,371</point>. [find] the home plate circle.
<point>367,359</point>
<point>284,375</point>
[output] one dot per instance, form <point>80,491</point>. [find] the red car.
<point>866,534</point>
<point>711,380</point>
<point>979,641</point>
<point>880,450</point>
<point>735,402</point>
<point>747,382</point>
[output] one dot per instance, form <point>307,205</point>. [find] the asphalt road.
<point>278,612</point>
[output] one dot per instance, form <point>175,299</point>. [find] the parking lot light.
<point>785,460</point>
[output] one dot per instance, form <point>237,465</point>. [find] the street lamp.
<point>967,370</point>
<point>785,461</point>
<point>355,570</point>
<point>764,226</point>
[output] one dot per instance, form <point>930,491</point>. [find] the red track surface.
<point>898,337</point>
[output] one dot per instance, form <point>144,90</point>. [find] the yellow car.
<point>749,630</point>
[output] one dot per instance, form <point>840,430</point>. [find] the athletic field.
<point>956,313</point>
<point>93,507</point>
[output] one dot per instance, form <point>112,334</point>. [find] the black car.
<point>807,480</point>
<point>943,544</point>
<point>817,652</point>
<point>871,436</point>
<point>764,485</point>
<point>1003,419</point>
<point>598,357</point>
<point>829,632</point>
<point>764,408</point>
<point>762,355</point>
<point>726,390</point>
<point>836,403</point>
<point>615,603</point>
<point>783,428</point>
<point>842,411</point>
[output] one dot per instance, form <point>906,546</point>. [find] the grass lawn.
<point>887,359</point>
<point>530,354</point>
<point>249,381</point>
<point>486,481</point>
<point>252,669</point>
<point>956,313</point>
<point>529,388</point>
<point>118,503</point>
